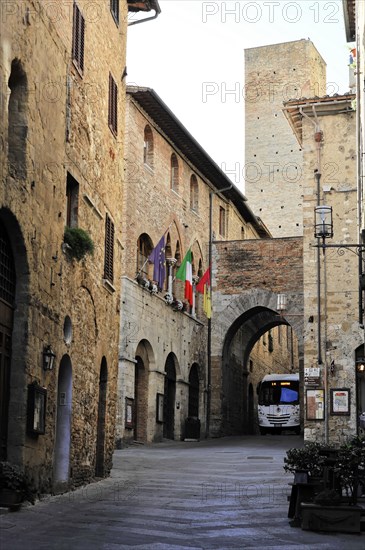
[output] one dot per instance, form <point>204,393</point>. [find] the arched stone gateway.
<point>247,278</point>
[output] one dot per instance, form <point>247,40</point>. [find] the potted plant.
<point>14,487</point>
<point>350,468</point>
<point>306,459</point>
<point>78,243</point>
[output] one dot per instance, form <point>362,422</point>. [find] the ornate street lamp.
<point>323,224</point>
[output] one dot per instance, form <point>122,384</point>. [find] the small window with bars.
<point>109,250</point>
<point>114,8</point>
<point>78,38</point>
<point>113,105</point>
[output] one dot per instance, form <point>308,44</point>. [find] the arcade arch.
<point>246,319</point>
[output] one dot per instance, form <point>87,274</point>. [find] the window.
<point>148,147</point>
<point>222,221</point>
<point>144,246</point>
<point>109,250</point>
<point>194,193</point>
<point>113,105</point>
<point>174,175</point>
<point>271,342</point>
<point>168,252</point>
<point>17,121</point>
<point>72,198</point>
<point>114,8</point>
<point>78,36</point>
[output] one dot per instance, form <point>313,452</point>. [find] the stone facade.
<point>167,191</point>
<point>330,148</point>
<point>273,159</point>
<point>247,278</point>
<point>61,165</point>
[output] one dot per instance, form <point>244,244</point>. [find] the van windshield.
<point>279,392</point>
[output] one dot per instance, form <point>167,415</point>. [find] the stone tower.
<point>273,159</point>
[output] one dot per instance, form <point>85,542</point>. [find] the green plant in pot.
<point>305,459</point>
<point>79,243</point>
<point>14,487</point>
<point>350,467</point>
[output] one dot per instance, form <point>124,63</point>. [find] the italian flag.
<point>204,287</point>
<point>185,273</point>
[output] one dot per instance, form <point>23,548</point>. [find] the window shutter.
<point>109,250</point>
<point>78,38</point>
<point>113,105</point>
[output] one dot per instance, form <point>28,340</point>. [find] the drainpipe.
<point>209,339</point>
<point>360,175</point>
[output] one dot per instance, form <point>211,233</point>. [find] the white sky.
<point>194,51</point>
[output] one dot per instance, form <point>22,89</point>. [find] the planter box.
<point>333,519</point>
<point>10,498</point>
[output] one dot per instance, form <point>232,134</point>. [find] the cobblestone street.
<point>215,494</point>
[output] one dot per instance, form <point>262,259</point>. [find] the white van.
<point>278,403</point>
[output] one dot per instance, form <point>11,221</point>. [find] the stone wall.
<point>248,276</point>
<point>66,125</point>
<point>151,332</point>
<point>340,334</point>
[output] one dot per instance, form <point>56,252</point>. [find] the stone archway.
<point>248,275</point>
<point>15,326</point>
<point>7,302</point>
<point>144,357</point>
<point>248,316</point>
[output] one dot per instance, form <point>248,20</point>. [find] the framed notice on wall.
<point>129,412</point>
<point>340,401</point>
<point>314,401</point>
<point>159,407</point>
<point>36,409</point>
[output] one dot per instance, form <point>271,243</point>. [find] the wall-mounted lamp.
<point>360,365</point>
<point>281,303</point>
<point>48,358</point>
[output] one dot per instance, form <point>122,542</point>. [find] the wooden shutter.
<point>109,250</point>
<point>113,105</point>
<point>78,38</point>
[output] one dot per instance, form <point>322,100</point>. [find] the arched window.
<point>177,253</point>
<point>194,194</point>
<point>174,175</point>
<point>148,147</point>
<point>17,121</point>
<point>144,247</point>
<point>168,252</point>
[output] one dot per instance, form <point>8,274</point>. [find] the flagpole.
<point>209,338</point>
<point>140,271</point>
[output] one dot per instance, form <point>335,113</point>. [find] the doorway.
<point>61,466</point>
<point>169,398</point>
<point>100,430</point>
<point>7,301</point>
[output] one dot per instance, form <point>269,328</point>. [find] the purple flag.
<point>157,258</point>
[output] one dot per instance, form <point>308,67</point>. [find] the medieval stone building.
<point>175,191</point>
<point>273,159</point>
<point>62,135</point>
<point>326,129</point>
